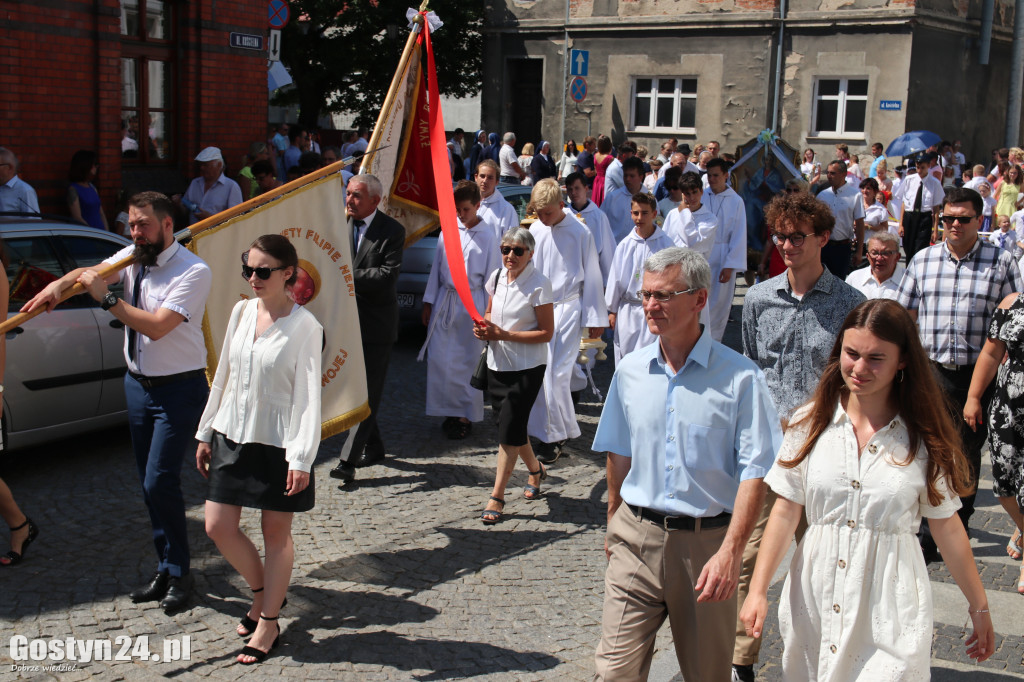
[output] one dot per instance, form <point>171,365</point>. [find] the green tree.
<point>342,55</point>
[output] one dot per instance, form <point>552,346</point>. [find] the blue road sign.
<point>578,89</point>
<point>890,105</point>
<point>247,41</point>
<point>278,13</point>
<point>578,62</point>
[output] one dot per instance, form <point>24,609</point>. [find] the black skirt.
<point>253,475</point>
<point>512,397</point>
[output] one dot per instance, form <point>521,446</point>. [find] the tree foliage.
<point>342,55</point>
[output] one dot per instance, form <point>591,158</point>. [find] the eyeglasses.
<point>262,273</point>
<point>962,219</point>
<point>880,254</point>
<point>796,239</point>
<point>518,250</point>
<point>664,296</point>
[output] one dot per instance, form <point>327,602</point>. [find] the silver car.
<point>65,370</point>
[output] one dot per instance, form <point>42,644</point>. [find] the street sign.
<point>890,104</point>
<point>578,62</point>
<point>246,41</point>
<point>578,89</point>
<point>274,45</point>
<point>278,13</point>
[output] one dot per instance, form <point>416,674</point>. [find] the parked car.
<point>419,256</point>
<point>65,369</point>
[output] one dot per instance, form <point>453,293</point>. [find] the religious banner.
<point>313,217</point>
<point>403,164</point>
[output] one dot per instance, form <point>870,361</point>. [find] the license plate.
<point>406,300</point>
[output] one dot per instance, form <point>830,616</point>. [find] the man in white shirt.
<point>211,192</point>
<point>494,208</point>
<point>613,176</point>
<point>616,205</point>
<point>882,278</point>
<point>692,225</point>
<point>920,196</point>
<point>165,387</point>
<point>15,193</point>
<point>511,172</point>
<point>729,253</point>
<point>958,158</point>
<point>847,207</point>
<point>977,177</point>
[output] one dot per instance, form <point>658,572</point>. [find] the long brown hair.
<point>922,404</point>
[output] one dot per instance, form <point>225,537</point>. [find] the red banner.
<point>442,177</point>
<point>414,176</point>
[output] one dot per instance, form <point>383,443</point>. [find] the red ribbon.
<point>443,184</point>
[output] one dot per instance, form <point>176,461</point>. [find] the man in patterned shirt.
<point>790,323</point>
<point>952,290</point>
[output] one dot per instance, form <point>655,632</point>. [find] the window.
<point>33,265</point>
<point>147,76</point>
<point>664,104</point>
<point>840,106</point>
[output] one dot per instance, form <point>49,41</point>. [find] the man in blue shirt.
<point>690,431</point>
<point>15,193</point>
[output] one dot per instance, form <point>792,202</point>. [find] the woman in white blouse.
<point>865,460</point>
<point>518,325</point>
<point>260,431</point>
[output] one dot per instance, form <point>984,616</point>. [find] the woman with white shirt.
<point>518,324</point>
<point>260,431</point>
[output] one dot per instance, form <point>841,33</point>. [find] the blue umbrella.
<point>911,143</point>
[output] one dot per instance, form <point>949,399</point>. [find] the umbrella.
<point>911,143</point>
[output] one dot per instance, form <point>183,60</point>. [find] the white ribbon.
<point>432,19</point>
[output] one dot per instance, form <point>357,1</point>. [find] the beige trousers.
<point>650,576</point>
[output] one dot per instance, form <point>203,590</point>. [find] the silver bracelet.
<point>978,611</point>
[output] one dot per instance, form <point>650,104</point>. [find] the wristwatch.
<point>109,301</point>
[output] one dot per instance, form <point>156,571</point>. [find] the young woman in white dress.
<point>865,460</point>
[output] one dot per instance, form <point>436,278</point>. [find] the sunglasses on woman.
<point>262,273</point>
<point>518,250</point>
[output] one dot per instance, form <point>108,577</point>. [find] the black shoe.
<point>367,458</point>
<point>344,472</point>
<point>152,591</point>
<point>742,673</point>
<point>13,558</point>
<point>547,453</point>
<point>178,591</point>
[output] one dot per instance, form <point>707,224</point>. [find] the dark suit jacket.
<point>375,271</point>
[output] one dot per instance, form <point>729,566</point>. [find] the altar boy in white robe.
<point>452,349</point>
<point>622,293</point>
<point>566,255</point>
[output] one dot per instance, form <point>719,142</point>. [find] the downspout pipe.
<point>1013,99</point>
<point>565,74</point>
<point>779,65</point>
<point>985,39</point>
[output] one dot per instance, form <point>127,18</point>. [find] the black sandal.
<point>532,492</point>
<point>13,558</point>
<point>248,623</point>
<point>259,654</point>
<point>492,516</point>
<point>459,430</point>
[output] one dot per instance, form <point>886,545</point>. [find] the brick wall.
<point>60,75</point>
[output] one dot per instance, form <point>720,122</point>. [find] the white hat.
<point>210,154</point>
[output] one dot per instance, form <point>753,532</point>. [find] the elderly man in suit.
<point>377,241</point>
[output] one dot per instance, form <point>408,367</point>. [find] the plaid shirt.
<point>955,299</point>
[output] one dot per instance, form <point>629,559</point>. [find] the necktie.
<point>918,198</point>
<point>132,334</point>
<point>356,227</point>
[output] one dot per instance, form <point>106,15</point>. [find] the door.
<point>526,77</point>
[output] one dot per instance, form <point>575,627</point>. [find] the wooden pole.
<point>396,83</point>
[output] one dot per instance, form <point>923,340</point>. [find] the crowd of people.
<point>859,405</point>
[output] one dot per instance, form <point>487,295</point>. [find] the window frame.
<point>678,95</point>
<point>143,50</point>
<point>842,98</point>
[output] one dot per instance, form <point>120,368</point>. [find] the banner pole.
<point>396,82</point>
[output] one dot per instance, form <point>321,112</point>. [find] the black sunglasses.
<point>262,273</point>
<point>962,219</point>
<point>518,250</point>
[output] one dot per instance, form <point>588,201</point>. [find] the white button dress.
<point>857,602</point>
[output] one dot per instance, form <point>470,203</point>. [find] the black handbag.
<point>479,378</point>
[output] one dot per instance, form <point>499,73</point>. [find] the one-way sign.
<point>578,60</point>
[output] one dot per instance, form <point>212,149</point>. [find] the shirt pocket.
<point>707,447</point>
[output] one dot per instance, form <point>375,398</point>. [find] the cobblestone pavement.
<point>395,579</point>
